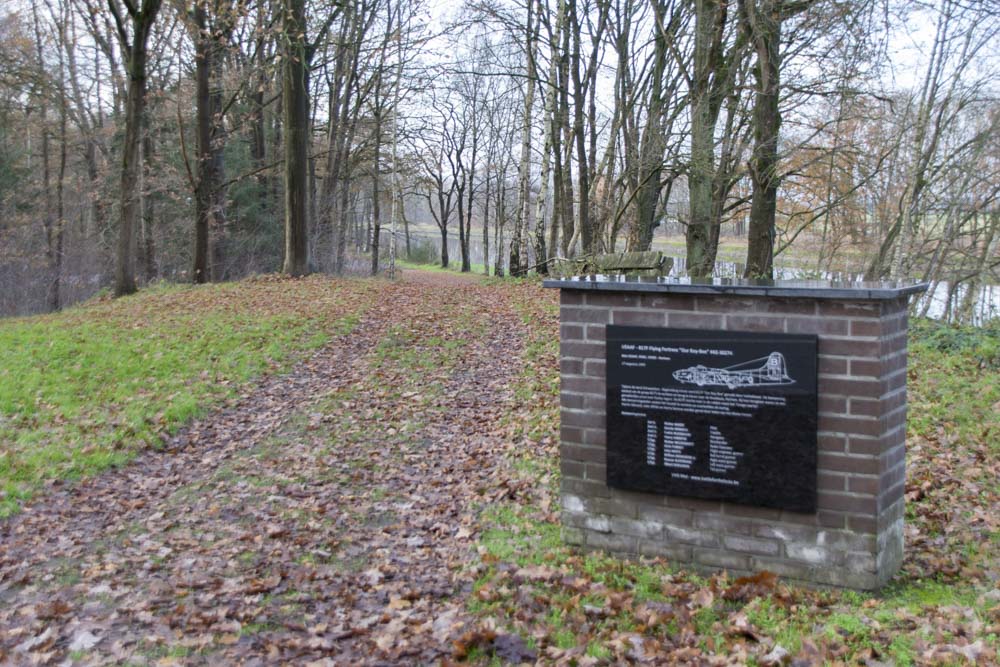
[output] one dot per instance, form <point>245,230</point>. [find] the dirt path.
<point>440,278</point>
<point>326,517</point>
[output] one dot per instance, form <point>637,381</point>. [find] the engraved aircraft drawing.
<point>769,370</point>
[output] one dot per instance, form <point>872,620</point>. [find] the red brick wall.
<point>855,539</point>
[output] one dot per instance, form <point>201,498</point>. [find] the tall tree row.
<point>208,139</point>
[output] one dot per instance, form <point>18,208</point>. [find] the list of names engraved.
<point>676,445</point>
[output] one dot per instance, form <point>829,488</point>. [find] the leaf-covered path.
<point>392,499</point>
<point>324,516</point>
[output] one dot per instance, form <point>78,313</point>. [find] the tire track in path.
<point>325,518</point>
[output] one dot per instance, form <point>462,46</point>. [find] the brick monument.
<point>695,506</point>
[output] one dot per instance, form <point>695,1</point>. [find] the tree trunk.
<point>148,207</point>
<point>368,228</point>
<point>201,272</point>
<point>48,217</point>
<point>406,224</point>
<point>551,149</point>
<point>94,180</point>
<point>562,138</point>
<point>463,238</point>
<point>653,145</point>
<point>96,214</point>
<point>486,226</point>
<point>466,253</point>
<point>967,309</point>
<point>258,138</point>
<point>498,269</point>
<point>376,196</point>
<point>55,296</point>
<point>519,264</point>
<point>340,252</point>
<point>349,119</point>
<point>125,258</point>
<point>567,215</point>
<point>542,249</point>
<point>444,246</point>
<point>135,108</point>
<point>295,97</point>
<point>217,173</point>
<point>700,255</point>
<point>276,190</point>
<point>764,19</point>
<point>586,231</point>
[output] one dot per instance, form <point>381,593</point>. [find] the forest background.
<point>146,140</point>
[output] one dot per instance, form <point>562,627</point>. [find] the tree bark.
<point>148,206</point>
<point>135,107</point>
<point>376,190</point>
<point>551,148</point>
<point>700,254</point>
<point>562,137</point>
<point>501,208</point>
<point>486,225</point>
<point>586,231</point>
<point>55,289</point>
<point>295,97</point>
<point>48,216</point>
<point>518,263</point>
<point>651,151</point>
<point>201,272</point>
<point>764,20</point>
<point>541,202</point>
<point>444,247</point>
<point>469,180</point>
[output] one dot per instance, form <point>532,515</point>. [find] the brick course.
<point>855,538</point>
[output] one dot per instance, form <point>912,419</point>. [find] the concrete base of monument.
<point>833,558</point>
<point>737,426</point>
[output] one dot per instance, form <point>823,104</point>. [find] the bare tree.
<point>439,160</point>
<point>210,25</point>
<point>762,21</point>
<point>518,241</point>
<point>962,33</point>
<point>133,35</point>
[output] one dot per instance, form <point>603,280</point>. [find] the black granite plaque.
<point>713,414</point>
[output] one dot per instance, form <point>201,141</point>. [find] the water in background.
<point>939,302</point>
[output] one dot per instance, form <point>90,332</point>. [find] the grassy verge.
<point>955,382</point>
<point>85,389</point>
<point>453,267</point>
<point>588,608</point>
<point>953,453</point>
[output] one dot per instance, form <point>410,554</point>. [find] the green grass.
<point>920,596</point>
<point>453,267</point>
<point>514,537</point>
<point>598,651</point>
<point>83,390</point>
<point>958,381</point>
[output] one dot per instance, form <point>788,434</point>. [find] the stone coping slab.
<point>816,289</point>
